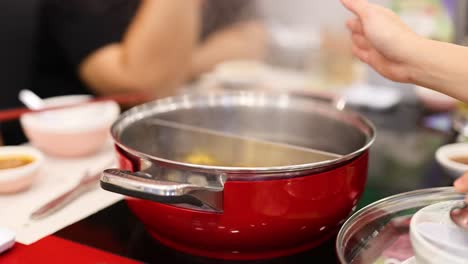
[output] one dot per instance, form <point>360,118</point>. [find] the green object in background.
<point>370,195</point>
<point>428,18</point>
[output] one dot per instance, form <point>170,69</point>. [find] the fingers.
<point>355,26</point>
<point>358,38</point>
<point>360,41</point>
<point>358,7</point>
<point>461,185</point>
<point>361,54</point>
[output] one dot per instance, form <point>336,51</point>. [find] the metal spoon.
<point>88,182</point>
<point>459,216</point>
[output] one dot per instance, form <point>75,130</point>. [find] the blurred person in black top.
<point>118,46</point>
<point>127,45</point>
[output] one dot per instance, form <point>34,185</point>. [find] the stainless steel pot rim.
<point>239,98</point>
<point>431,194</point>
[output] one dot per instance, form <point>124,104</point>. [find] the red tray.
<point>56,250</point>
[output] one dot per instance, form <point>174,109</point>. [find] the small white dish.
<point>374,97</point>
<point>445,157</point>
<point>438,244</point>
<point>16,179</point>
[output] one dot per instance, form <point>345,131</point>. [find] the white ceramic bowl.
<point>445,154</point>
<point>436,251</point>
<point>21,178</point>
<point>71,132</point>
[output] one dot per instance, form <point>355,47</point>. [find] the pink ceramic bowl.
<point>20,178</point>
<point>72,132</point>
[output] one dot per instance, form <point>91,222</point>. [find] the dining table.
<point>402,159</point>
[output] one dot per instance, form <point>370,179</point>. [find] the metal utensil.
<point>459,216</point>
<point>87,183</point>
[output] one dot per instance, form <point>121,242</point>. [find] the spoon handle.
<point>30,99</point>
<point>64,199</point>
<point>59,202</point>
<point>135,98</point>
<point>87,183</point>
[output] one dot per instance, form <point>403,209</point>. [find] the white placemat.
<point>56,177</point>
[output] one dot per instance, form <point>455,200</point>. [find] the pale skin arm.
<point>245,40</point>
<point>155,53</point>
<point>383,41</point>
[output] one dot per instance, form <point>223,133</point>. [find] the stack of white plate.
<point>435,238</point>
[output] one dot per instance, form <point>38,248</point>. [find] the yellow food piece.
<point>201,159</point>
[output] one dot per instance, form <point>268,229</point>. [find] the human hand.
<point>461,185</point>
<point>382,40</point>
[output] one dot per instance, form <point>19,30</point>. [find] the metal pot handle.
<point>205,196</point>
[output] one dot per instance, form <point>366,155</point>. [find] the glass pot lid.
<point>382,231</point>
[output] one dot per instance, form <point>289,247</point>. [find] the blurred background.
<point>298,46</point>
<point>152,49</point>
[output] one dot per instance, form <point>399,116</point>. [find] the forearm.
<point>164,33</point>
<point>154,54</point>
<point>442,67</point>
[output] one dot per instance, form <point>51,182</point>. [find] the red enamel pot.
<point>276,174</point>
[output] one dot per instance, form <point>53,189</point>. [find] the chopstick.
<point>15,113</point>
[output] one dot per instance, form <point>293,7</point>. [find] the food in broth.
<point>460,159</point>
<point>201,158</point>
<point>14,161</point>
